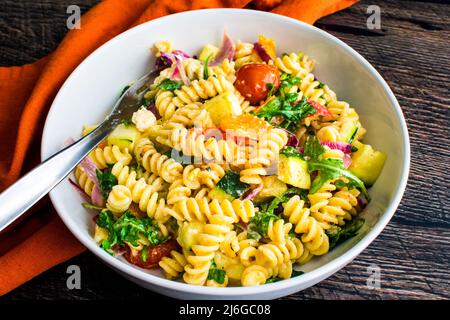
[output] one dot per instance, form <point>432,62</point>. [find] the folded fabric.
<point>40,240</point>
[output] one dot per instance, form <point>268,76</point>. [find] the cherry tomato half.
<point>252,79</point>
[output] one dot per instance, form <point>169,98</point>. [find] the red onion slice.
<point>347,160</point>
<point>292,140</point>
<point>226,51</point>
<point>253,193</point>
<point>97,198</point>
<point>342,146</point>
<point>261,52</point>
<point>180,53</point>
<point>321,110</point>
<point>79,189</point>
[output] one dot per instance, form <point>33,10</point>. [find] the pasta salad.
<point>239,166</point>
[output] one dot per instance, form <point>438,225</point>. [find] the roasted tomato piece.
<point>155,254</point>
<point>252,81</point>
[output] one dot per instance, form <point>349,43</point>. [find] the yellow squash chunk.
<point>294,171</point>
<point>224,105</point>
<point>367,163</point>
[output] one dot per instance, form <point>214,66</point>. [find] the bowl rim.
<point>310,277</point>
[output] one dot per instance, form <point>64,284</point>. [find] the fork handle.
<point>24,193</point>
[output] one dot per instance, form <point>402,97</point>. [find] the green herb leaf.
<point>170,85</point>
<point>260,223</point>
<point>296,273</point>
<point>128,228</point>
<point>330,169</point>
<point>216,274</point>
<point>205,67</point>
<point>106,182</point>
<point>338,234</point>
<point>91,206</point>
<point>312,148</point>
<point>271,89</point>
<point>283,106</point>
<point>290,151</point>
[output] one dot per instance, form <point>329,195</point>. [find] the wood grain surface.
<point>412,52</point>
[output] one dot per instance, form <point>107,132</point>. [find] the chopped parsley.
<point>128,228</point>
<point>337,234</point>
<point>170,85</point>
<point>216,274</point>
<point>106,181</point>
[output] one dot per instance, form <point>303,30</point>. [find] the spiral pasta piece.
<point>244,54</point>
<point>173,265</point>
<point>193,143</point>
<point>269,144</point>
<point>313,235</point>
<point>84,181</point>
<point>157,163</point>
<point>272,254</point>
<point>278,230</point>
<point>102,157</point>
<point>197,90</point>
<point>192,115</point>
<point>197,269</point>
<point>254,275</point>
<point>119,199</point>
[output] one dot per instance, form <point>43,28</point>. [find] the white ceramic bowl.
<point>88,94</point>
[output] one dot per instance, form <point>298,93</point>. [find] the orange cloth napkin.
<point>40,240</point>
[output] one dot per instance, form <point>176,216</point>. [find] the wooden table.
<point>412,53</point>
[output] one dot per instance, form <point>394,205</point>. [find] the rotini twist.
<point>270,142</point>
<point>193,143</point>
<point>157,163</point>
<point>197,90</point>
<point>178,191</point>
<point>313,235</point>
<point>84,181</point>
<point>162,47</point>
<point>173,265</point>
<point>311,88</point>
<point>109,155</point>
<point>291,64</point>
<point>278,230</point>
<point>119,199</point>
<point>146,195</point>
<point>319,205</point>
<point>244,54</point>
<point>196,272</point>
<point>192,115</point>
<point>254,275</point>
<point>271,255</point>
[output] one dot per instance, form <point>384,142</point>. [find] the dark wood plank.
<point>412,52</point>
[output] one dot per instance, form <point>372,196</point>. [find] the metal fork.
<point>20,196</point>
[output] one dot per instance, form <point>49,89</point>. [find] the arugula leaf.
<point>290,151</point>
<point>106,220</point>
<point>271,89</point>
<point>292,113</point>
<point>338,234</point>
<point>257,228</point>
<point>128,228</point>
<point>170,85</point>
<point>285,197</point>
<point>216,274</point>
<point>205,67</point>
<point>313,149</point>
<point>106,181</point>
<point>330,169</point>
